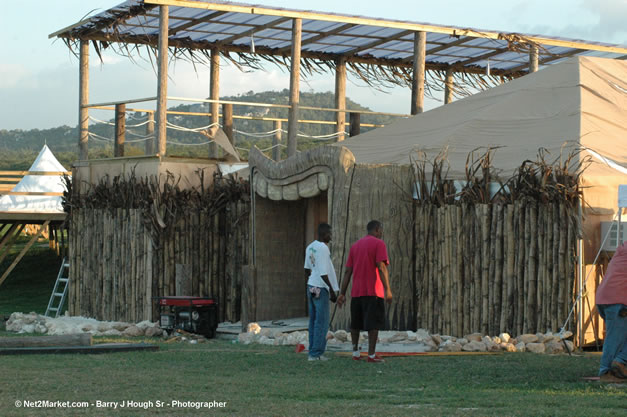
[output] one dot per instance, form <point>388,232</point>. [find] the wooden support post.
<point>276,141</point>
<point>354,119</point>
<point>227,122</point>
<point>448,86</point>
<point>150,131</point>
<point>120,130</point>
<point>340,97</point>
<point>6,236</point>
<point>162,82</point>
<point>23,252</point>
<point>418,81</point>
<point>214,94</point>
<point>83,100</point>
<point>183,280</point>
<point>292,122</point>
<point>533,59</point>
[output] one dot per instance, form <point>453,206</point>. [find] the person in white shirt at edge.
<point>321,287</point>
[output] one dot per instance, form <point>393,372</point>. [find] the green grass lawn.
<point>274,381</point>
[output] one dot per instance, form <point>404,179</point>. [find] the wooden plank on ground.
<point>102,348</point>
<point>79,339</point>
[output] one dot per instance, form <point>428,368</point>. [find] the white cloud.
<point>14,75</point>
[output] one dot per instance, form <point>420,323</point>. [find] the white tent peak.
<point>45,162</point>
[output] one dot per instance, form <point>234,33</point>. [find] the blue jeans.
<point>318,321</point>
<point>615,344</point>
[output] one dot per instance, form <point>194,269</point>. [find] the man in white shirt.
<point>321,287</point>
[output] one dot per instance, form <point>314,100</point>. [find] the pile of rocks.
<point>268,336</point>
<point>36,323</point>
<point>421,340</point>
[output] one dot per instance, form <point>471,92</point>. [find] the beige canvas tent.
<point>579,103</point>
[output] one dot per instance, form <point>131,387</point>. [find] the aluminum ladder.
<point>59,292</point>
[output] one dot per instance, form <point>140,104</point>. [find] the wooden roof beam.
<point>194,22</point>
<point>449,45</point>
<point>522,67</point>
<point>379,42</point>
<point>151,41</point>
<point>329,17</point>
<point>253,30</point>
<point>479,58</point>
<point>316,38</point>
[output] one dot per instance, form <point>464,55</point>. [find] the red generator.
<point>192,314</point>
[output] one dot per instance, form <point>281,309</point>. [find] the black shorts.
<point>367,313</point>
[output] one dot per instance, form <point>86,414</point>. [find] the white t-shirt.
<point>318,261</point>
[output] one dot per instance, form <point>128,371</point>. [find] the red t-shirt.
<point>613,288</point>
<point>363,258</point>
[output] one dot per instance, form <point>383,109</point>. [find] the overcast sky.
<point>39,76</point>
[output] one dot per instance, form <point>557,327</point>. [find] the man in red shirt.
<point>611,300</point>
<point>367,262</point>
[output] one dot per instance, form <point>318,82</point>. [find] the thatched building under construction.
<point>486,244</point>
<point>369,176</point>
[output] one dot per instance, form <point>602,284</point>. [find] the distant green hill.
<point>18,148</point>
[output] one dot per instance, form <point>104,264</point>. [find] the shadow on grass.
<point>29,285</point>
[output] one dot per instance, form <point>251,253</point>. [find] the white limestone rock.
<point>549,338</point>
<point>341,335</point>
<point>527,338</point>
<point>490,345</point>
<point>476,337</point>
<point>133,331</point>
<point>291,340</point>
<point>120,326</point>
<point>422,334</point>
<point>535,347</point>
<point>554,347</point>
<point>566,335</point>
<point>264,340</point>
<point>520,347</point>
<point>253,328</point>
<point>112,332</point>
<point>505,337</point>
<point>411,336</point>
<point>397,337</point>
<point>474,346</point>
<point>245,338</point>
<point>145,324</point>
<point>436,339</point>
<point>266,332</point>
<point>497,340</point>
<point>153,332</point>
<point>450,346</point>
<point>462,341</point>
<point>507,347</point>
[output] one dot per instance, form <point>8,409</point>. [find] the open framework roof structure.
<point>375,49</point>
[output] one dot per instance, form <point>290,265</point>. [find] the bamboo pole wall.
<point>493,262</point>
<point>465,266</point>
<point>120,258</point>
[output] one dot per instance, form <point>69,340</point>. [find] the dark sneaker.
<point>376,359</point>
<point>619,369</point>
<point>609,377</point>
